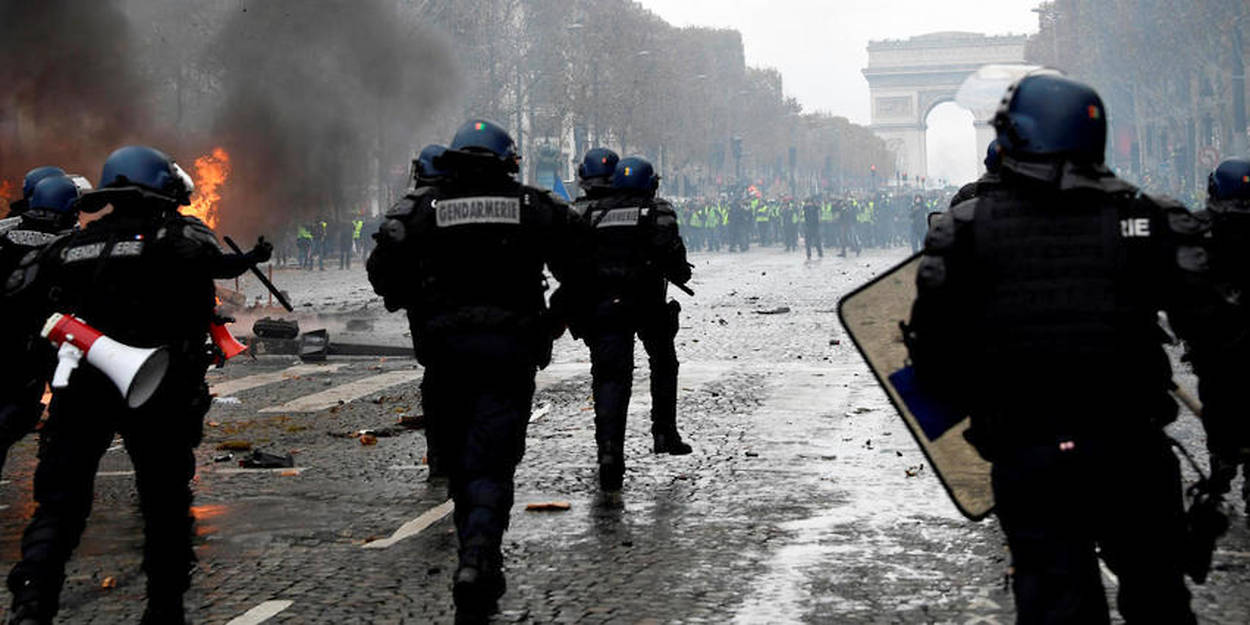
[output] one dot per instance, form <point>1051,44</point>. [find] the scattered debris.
<point>412,422</point>
<point>780,310</point>
<point>835,342</point>
<point>368,439</point>
<point>548,506</point>
<point>753,454</point>
<point>915,470</point>
<point>234,446</point>
<point>264,460</point>
<point>270,328</point>
<point>314,345</point>
<point>108,582</point>
<point>223,458</point>
<point>229,401</point>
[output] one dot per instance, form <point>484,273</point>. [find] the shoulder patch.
<point>1183,222</point>
<point>477,210</point>
<point>1192,258</point>
<point>403,208</point>
<point>965,211</point>
<point>941,235</point>
<point>197,230</point>
<point>931,273</point>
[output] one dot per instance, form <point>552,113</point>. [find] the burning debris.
<point>209,173</point>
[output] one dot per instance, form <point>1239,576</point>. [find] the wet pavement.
<point>806,501</point>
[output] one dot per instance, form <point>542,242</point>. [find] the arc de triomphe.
<point>907,78</point>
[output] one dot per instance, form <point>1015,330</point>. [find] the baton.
<point>685,289</point>
<point>260,276</point>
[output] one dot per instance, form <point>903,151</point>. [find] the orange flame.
<point>210,172</point>
<point>8,191</point>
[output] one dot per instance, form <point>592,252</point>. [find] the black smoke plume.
<point>69,89</point>
<point>323,103</point>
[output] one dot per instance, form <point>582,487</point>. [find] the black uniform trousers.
<point>1118,498</point>
<point>159,437</point>
<point>1227,423</point>
<point>480,387</point>
<point>611,345</point>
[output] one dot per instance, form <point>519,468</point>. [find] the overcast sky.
<point>820,47</point>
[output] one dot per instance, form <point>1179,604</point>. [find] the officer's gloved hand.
<point>262,251</point>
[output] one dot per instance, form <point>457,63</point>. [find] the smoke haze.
<point>71,92</point>
<point>317,93</point>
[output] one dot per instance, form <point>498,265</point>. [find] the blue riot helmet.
<point>486,138</point>
<point>140,172</point>
<point>18,207</point>
<point>56,197</point>
<point>993,157</point>
<point>635,174</point>
<point>424,171</point>
<point>597,168</point>
<point>1230,181</point>
<point>37,174</point>
<point>1045,116</point>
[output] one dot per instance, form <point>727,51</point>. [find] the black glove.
<point>261,253</point>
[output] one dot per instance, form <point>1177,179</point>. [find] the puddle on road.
<point>881,536</point>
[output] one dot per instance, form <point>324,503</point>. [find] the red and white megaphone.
<point>136,371</point>
<point>227,346</point>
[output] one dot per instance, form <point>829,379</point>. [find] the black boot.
<point>166,611</point>
<point>670,443</point>
<point>477,588</point>
<point>29,613</point>
<point>611,467</point>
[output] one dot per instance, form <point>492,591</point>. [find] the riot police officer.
<point>383,265</point>
<point>143,275</point>
<point>31,179</point>
<point>594,176</point>
<point>1048,282</point>
<point>465,257</point>
<point>993,160</point>
<point>1221,360</point>
<point>46,213</point>
<point>637,251</point>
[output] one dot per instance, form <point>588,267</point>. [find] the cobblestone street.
<point>805,501</point>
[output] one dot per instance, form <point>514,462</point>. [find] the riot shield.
<point>871,316</point>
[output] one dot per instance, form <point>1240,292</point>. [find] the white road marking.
<point>408,467</point>
<point>414,527</point>
<point>242,470</point>
<point>346,392</point>
<point>1106,572</point>
<point>261,613</point>
<point>230,387</point>
<point>114,473</point>
<point>540,412</point>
